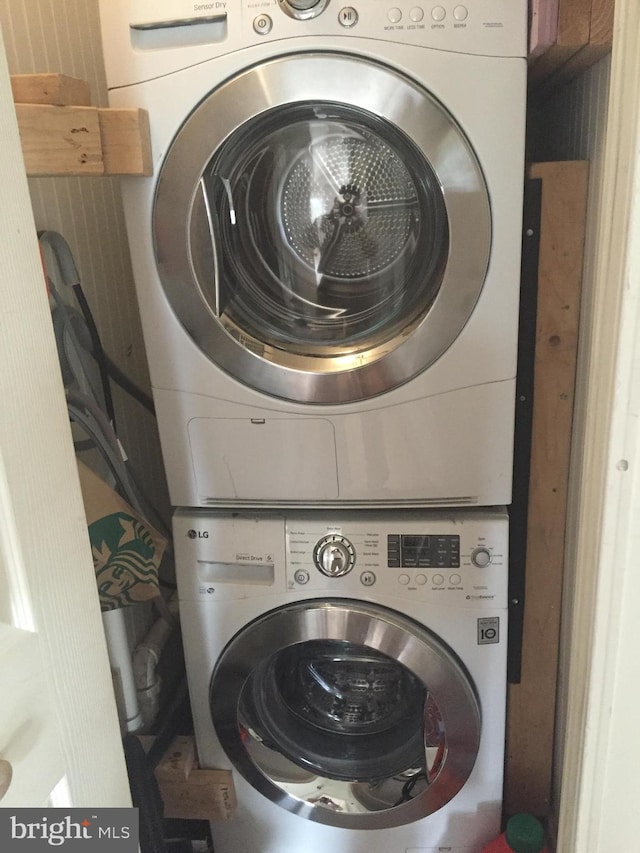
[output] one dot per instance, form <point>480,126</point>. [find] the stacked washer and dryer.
<point>327,260</point>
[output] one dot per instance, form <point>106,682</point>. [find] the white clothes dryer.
<point>327,256</point>
<point>350,670</point>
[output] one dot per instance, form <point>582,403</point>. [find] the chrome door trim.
<point>381,91</point>
<point>373,627</point>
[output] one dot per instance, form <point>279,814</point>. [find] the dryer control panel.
<point>438,557</point>
<point>145,39</point>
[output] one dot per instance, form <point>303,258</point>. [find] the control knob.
<point>481,557</point>
<point>334,556</point>
<point>303,9</point>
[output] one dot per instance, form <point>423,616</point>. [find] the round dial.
<point>334,555</point>
<point>481,557</point>
<point>303,9</point>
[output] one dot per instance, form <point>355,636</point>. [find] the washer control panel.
<point>438,557</point>
<point>418,555</point>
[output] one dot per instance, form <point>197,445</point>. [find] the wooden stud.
<point>531,704</point>
<point>574,27</point>
<point>53,89</point>
<point>84,140</point>
<point>60,140</point>
<point>600,41</point>
<point>585,35</point>
<point>126,141</point>
<point>62,134</point>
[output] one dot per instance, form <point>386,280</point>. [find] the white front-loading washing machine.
<point>350,669</point>
<point>327,256</point>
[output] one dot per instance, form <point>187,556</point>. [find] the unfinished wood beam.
<point>600,41</point>
<point>585,35</point>
<point>60,140</point>
<point>84,140</point>
<point>531,703</point>
<point>53,89</point>
<point>126,146</point>
<point>62,134</point>
<point>574,27</point>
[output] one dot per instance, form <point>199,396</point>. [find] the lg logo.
<point>198,534</point>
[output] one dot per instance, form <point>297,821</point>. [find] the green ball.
<point>525,834</point>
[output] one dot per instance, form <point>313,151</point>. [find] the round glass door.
<point>318,249</point>
<point>360,719</point>
<point>331,235</point>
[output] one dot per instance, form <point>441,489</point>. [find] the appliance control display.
<point>424,552</point>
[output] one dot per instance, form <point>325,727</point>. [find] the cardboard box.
<point>205,795</point>
<point>126,549</point>
<point>189,792</point>
<point>178,761</point>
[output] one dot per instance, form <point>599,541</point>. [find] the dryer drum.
<point>331,231</point>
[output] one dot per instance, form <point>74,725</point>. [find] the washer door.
<point>346,713</point>
<point>322,228</point>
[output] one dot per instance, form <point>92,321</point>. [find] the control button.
<point>438,580</point>
<point>334,555</point>
<point>421,580</point>
<point>481,557</point>
<point>455,580</point>
<point>416,14</point>
<point>301,576</point>
<point>460,13</point>
<point>348,17</point>
<point>404,579</point>
<point>262,25</point>
<point>394,15</point>
<point>367,578</point>
<point>438,13</point>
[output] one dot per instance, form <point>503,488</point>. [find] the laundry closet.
<point>566,124</point>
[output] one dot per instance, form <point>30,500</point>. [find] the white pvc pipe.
<point>145,662</point>
<point>122,669</point>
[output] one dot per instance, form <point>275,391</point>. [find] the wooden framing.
<point>584,35</point>
<point>531,704</point>
<point>61,134</point>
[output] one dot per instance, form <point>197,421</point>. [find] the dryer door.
<point>322,228</point>
<point>346,713</point>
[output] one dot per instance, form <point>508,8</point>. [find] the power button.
<point>262,25</point>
